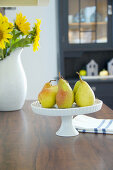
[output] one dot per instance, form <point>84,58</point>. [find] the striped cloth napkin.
<point>92,125</point>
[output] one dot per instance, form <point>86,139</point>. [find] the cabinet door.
<point>87,24</point>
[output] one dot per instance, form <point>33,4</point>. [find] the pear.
<point>77,84</point>
<point>103,73</point>
<point>47,97</point>
<point>47,85</point>
<point>84,95</point>
<point>65,95</point>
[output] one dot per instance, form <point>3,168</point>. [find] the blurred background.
<point>77,35</point>
<point>40,66</point>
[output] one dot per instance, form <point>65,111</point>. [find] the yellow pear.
<point>47,97</point>
<point>47,85</point>
<point>65,95</point>
<point>84,95</point>
<point>103,73</point>
<point>77,84</point>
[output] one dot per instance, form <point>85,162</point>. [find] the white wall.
<point>40,66</point>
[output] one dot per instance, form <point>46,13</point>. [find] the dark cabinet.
<point>85,24</point>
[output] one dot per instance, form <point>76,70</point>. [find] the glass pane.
<point>88,10</point>
<point>73,35</point>
<point>73,13</point>
<point>73,20</point>
<point>87,37</point>
<point>102,21</point>
<point>87,21</point>
<point>87,28</point>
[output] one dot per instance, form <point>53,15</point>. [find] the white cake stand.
<point>66,128</point>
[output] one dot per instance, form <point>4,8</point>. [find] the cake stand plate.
<point>66,128</point>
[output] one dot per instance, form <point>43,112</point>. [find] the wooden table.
<point>28,142</point>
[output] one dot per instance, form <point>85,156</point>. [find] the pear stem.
<point>79,76</point>
<point>59,75</point>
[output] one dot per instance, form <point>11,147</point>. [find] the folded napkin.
<point>92,125</point>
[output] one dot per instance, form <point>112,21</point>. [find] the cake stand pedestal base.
<point>66,128</point>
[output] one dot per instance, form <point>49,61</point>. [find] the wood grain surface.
<point>29,142</point>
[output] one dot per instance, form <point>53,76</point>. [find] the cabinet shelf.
<point>87,23</point>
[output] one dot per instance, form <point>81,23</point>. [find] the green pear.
<point>77,84</point>
<point>65,95</point>
<point>84,95</point>
<point>47,97</point>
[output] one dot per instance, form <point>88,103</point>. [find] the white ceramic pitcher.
<point>13,83</point>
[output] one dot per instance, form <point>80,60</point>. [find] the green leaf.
<point>1,54</point>
<point>25,42</point>
<point>17,35</point>
<point>22,43</point>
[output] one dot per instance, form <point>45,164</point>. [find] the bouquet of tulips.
<point>17,34</point>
